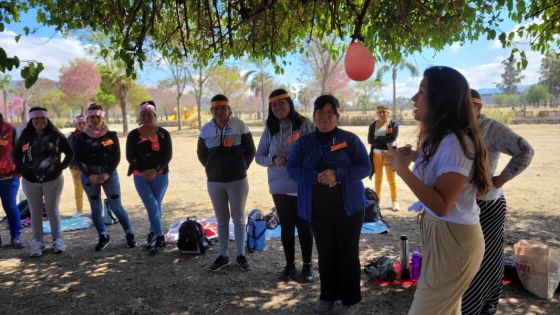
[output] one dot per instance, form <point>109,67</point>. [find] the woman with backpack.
<point>328,165</point>
<point>226,149</point>
<point>9,182</point>
<point>97,153</point>
<point>80,123</point>
<point>283,127</point>
<point>148,152</point>
<point>383,132</point>
<point>37,156</point>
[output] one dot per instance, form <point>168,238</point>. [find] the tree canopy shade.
<point>269,29</point>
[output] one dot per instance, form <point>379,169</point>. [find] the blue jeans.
<point>152,194</point>
<point>8,191</point>
<point>112,189</point>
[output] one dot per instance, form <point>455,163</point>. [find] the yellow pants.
<point>378,165</point>
<point>78,189</point>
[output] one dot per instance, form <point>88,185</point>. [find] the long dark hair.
<point>450,109</point>
<point>29,127</point>
<point>273,123</point>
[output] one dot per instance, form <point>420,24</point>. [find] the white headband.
<point>95,112</point>
<point>38,113</point>
<point>148,107</point>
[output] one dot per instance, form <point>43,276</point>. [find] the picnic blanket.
<point>378,227</point>
<point>70,224</point>
<point>210,226</point>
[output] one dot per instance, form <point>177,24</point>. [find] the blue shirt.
<point>346,155</point>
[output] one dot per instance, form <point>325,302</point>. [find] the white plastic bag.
<point>538,267</point>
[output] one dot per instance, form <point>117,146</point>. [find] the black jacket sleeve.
<point>202,151</point>
<point>371,133</point>
<point>67,150</point>
<point>167,149</point>
<point>17,154</point>
<point>131,156</point>
<point>79,155</point>
<point>116,154</point>
<point>248,148</point>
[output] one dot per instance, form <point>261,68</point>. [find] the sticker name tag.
<point>339,146</point>
<point>294,137</point>
<point>228,142</point>
<point>107,142</point>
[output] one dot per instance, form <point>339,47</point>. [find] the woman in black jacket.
<point>97,155</point>
<point>37,156</point>
<point>382,132</point>
<point>148,151</point>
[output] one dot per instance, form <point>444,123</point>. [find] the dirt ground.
<point>122,280</point>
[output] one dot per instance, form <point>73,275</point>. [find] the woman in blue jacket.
<point>329,165</point>
<point>284,126</point>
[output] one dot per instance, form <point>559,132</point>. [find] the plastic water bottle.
<point>405,272</point>
<point>416,265</point>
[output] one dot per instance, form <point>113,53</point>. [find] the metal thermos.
<point>405,272</point>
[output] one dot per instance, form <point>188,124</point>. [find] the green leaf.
<point>17,37</point>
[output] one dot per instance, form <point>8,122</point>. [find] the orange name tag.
<point>25,147</point>
<point>3,142</point>
<point>228,142</point>
<point>107,142</point>
<point>294,137</point>
<point>339,146</point>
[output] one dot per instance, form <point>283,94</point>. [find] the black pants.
<point>289,219</point>
<point>337,236</point>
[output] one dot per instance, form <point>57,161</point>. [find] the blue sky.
<point>479,61</point>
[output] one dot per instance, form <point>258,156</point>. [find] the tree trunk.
<point>5,99</point>
<point>179,114</point>
<point>394,91</point>
<point>122,100</point>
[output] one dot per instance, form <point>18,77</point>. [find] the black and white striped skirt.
<point>486,287</point>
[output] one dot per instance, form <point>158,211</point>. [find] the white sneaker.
<point>396,206</point>
<point>77,215</point>
<point>36,249</point>
<point>58,246</point>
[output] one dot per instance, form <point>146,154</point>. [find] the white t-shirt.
<point>450,158</point>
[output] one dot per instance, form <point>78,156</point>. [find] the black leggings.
<point>289,219</point>
<point>337,236</point>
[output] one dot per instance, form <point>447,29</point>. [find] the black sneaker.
<point>307,273</point>
<point>104,241</point>
<point>219,263</point>
<point>289,273</point>
<point>130,240</point>
<point>243,263</point>
<point>159,245</point>
<point>150,241</point>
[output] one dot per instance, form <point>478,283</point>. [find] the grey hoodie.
<point>280,145</point>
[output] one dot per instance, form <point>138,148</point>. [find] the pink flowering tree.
<point>80,82</point>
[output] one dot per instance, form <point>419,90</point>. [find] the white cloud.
<point>52,52</point>
<point>487,75</point>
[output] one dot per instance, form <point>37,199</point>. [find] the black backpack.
<point>371,207</point>
<point>192,239</point>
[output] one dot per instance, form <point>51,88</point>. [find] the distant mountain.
<point>494,91</point>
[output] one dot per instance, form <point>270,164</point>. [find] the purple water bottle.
<point>416,265</point>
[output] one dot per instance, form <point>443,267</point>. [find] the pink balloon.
<point>359,63</point>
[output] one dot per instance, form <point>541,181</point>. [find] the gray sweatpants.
<point>50,191</point>
<point>225,196</point>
